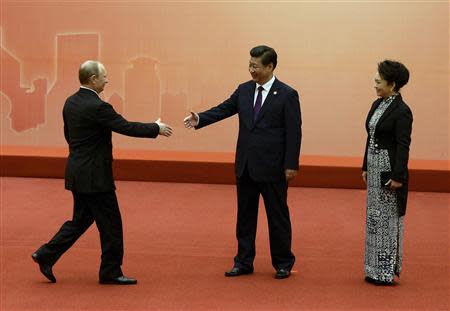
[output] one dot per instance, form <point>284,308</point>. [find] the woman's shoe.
<point>378,282</point>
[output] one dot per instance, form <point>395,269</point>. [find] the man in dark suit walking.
<point>267,157</point>
<point>88,124</point>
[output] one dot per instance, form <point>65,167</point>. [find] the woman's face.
<point>382,87</point>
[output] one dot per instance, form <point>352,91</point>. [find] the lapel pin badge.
<point>275,92</point>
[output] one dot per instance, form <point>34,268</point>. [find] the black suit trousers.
<point>101,207</point>
<point>280,233</point>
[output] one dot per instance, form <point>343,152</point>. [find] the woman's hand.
<point>394,184</point>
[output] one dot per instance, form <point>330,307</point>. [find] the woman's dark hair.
<point>393,71</point>
<point>267,54</point>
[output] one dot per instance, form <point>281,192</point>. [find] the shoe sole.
<point>115,283</point>
<point>280,277</point>
<point>378,283</point>
<point>234,275</point>
<point>51,279</point>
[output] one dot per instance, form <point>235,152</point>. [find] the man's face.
<point>260,73</point>
<point>99,81</point>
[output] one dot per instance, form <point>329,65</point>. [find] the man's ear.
<point>92,79</point>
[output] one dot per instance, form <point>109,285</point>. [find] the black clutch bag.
<point>384,178</point>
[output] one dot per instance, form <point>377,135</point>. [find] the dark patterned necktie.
<point>258,103</point>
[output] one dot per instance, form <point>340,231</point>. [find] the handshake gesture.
<point>191,120</point>
<point>164,129</point>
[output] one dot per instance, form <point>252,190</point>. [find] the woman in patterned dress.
<point>385,172</point>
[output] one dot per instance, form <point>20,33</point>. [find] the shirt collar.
<point>267,85</point>
<point>84,87</point>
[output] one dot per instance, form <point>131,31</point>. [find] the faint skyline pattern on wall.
<point>27,104</point>
<point>35,109</point>
<point>167,58</point>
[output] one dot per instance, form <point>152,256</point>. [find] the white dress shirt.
<point>265,92</point>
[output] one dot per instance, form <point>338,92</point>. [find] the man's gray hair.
<point>87,69</point>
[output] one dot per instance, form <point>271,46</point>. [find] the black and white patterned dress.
<point>384,227</point>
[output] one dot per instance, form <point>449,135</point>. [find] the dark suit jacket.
<point>271,144</point>
<point>88,122</point>
<point>393,132</point>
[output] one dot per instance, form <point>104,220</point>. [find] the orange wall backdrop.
<point>165,58</point>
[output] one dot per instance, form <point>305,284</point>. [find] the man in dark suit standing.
<point>88,124</point>
<point>267,157</point>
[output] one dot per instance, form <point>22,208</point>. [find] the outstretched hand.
<point>290,174</point>
<point>191,120</point>
<point>164,129</point>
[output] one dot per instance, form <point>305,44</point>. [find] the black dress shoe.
<point>378,282</point>
<point>238,271</point>
<point>120,280</point>
<point>282,274</point>
<point>46,269</point>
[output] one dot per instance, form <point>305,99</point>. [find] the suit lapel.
<point>389,109</point>
<point>248,116</point>
<point>371,112</point>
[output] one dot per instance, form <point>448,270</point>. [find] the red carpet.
<point>179,239</point>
